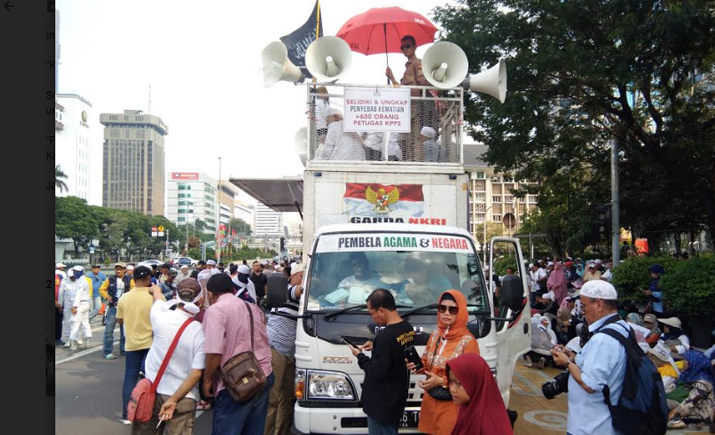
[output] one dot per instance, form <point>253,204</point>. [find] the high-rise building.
<point>491,195</point>
<point>191,196</point>
<point>267,222</point>
<point>78,148</point>
<point>133,165</point>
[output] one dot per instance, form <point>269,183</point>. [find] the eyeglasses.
<point>406,46</point>
<point>452,310</point>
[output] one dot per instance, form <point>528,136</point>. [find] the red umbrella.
<point>380,30</point>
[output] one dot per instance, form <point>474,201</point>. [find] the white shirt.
<point>322,108</point>
<point>120,287</point>
<point>61,273</point>
<point>535,277</point>
<point>189,353</point>
<point>250,287</point>
<point>82,293</point>
<point>343,146</point>
<point>67,293</point>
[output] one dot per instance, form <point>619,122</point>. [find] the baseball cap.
<point>188,289</point>
<point>141,272</point>
<point>599,289</point>
<point>59,265</point>
<point>120,264</point>
<point>96,265</point>
<point>649,318</point>
<point>591,265</point>
<point>173,272</point>
<point>78,268</point>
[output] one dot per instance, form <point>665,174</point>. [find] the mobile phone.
<point>413,357</point>
<point>350,342</point>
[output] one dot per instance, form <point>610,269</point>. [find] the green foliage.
<point>502,263</point>
<point>60,176</point>
<point>582,74</point>
<point>632,276</point>
<point>690,289</point>
<point>74,220</point>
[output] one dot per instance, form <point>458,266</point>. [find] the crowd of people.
<point>150,305</point>
<point>571,301</point>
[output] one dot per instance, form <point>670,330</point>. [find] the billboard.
<point>184,175</point>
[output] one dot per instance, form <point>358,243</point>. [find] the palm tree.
<point>59,176</point>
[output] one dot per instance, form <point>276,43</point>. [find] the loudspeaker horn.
<point>491,81</point>
<point>301,144</point>
<point>277,67</point>
<point>445,65</point>
<point>328,58</point>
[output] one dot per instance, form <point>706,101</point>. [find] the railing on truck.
<point>383,142</point>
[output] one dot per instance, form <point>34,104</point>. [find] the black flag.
<point>297,42</point>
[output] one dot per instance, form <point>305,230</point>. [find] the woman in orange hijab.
<point>438,414</point>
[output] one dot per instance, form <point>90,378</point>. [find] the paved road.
<point>88,396</point>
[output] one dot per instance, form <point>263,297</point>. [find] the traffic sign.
<point>161,228</point>
<point>153,231</point>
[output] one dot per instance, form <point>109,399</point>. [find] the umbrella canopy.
<point>380,30</point>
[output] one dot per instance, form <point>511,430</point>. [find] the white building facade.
<point>192,196</point>
<point>78,148</point>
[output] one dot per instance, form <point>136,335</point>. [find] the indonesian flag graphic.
<point>398,200</point>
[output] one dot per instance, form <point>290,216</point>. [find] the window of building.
<point>496,218</point>
<point>509,199</point>
<point>480,197</point>
<point>480,176</point>
<point>496,198</point>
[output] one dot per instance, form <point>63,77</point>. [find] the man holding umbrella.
<point>422,111</point>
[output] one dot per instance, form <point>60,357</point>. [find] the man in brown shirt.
<point>422,110</point>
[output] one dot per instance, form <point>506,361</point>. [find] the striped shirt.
<point>228,333</point>
<point>281,330</point>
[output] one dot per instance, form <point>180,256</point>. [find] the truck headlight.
<point>323,385</point>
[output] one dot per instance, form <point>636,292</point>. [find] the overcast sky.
<point>203,62</point>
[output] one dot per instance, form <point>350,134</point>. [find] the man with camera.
<point>602,362</point>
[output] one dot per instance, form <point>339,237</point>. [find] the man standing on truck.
<point>385,386</point>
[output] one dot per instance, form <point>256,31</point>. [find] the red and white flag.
<point>398,200</point>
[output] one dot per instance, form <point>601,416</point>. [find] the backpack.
<point>641,408</point>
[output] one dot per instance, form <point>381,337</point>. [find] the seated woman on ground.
<point>543,338</point>
<point>697,409</point>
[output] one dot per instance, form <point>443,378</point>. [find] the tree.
<point>60,176</point>
<point>241,227</point>
<point>584,73</point>
<point>74,220</point>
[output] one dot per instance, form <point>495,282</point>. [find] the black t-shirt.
<point>259,281</point>
<point>384,391</point>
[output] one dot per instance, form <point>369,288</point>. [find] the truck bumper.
<point>337,421</point>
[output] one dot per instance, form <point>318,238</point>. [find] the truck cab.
<point>416,263</point>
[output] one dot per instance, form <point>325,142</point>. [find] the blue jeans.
<point>96,305</point>
<point>374,427</point>
<point>133,362</point>
<point>109,332</point>
<point>241,418</point>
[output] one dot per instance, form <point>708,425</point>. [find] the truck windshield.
<point>345,269</point>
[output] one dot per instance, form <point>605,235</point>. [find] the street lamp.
<point>484,244</point>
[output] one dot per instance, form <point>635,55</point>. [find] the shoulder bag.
<point>242,375</point>
<point>439,393</point>
<point>141,402</point>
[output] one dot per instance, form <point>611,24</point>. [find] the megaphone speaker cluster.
<point>445,65</point>
<point>277,67</point>
<point>328,58</point>
<point>491,81</point>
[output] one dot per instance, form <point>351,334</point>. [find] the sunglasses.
<point>452,310</point>
<point>406,46</point>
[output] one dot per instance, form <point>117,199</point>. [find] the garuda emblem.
<point>382,199</point>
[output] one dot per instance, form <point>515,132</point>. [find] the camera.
<point>559,385</point>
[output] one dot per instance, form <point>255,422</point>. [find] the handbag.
<point>141,403</point>
<point>438,393</point>
<point>242,375</point>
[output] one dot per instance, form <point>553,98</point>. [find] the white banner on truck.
<point>377,109</point>
<point>393,242</point>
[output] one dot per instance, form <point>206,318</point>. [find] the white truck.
<point>400,225</point>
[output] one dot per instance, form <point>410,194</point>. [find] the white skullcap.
<point>296,268</point>
<point>599,289</point>
<point>78,268</point>
<point>428,131</point>
<point>244,269</point>
<point>334,111</point>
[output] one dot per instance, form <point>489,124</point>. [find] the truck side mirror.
<point>512,292</point>
<point>277,290</point>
